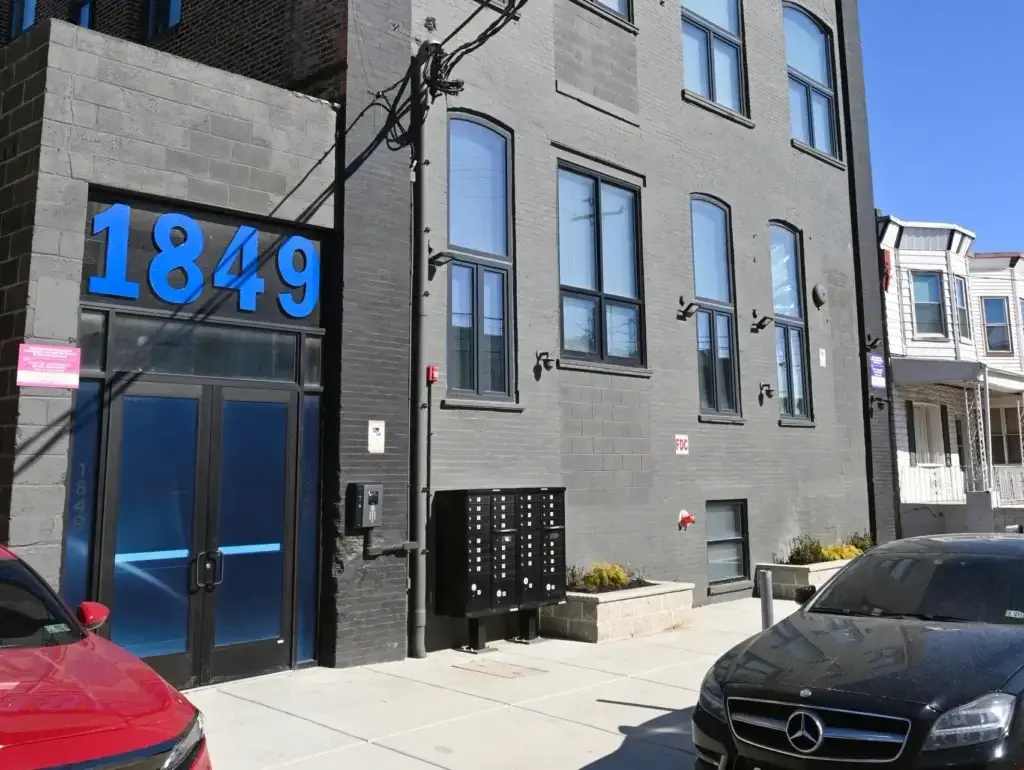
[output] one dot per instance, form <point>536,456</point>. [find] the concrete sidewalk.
<point>552,705</point>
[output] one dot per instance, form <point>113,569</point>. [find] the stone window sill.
<point>699,101</point>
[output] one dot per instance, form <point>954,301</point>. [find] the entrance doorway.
<point>197,537</point>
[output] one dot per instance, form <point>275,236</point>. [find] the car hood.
<point>72,703</point>
<point>931,663</point>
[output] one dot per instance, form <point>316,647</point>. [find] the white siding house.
<point>955,324</point>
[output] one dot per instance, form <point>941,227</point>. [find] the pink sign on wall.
<point>49,366</point>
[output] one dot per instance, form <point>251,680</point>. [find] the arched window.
<point>790,324</point>
<point>713,51</point>
<point>812,94</point>
<point>479,234</point>
<point>718,364</point>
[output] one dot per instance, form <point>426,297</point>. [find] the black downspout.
<point>890,392</point>
<point>418,446</point>
<point>863,228</point>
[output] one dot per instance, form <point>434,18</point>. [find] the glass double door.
<point>196,559</point>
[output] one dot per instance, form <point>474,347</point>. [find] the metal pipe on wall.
<point>419,458</point>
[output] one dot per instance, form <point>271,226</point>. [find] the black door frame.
<point>179,668</point>
<point>219,664</point>
<point>194,667</point>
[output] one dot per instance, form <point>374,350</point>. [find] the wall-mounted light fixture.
<point>873,342</point>
<point>544,359</point>
<point>761,323</point>
<point>687,310</point>
<point>441,258</point>
<point>767,390</point>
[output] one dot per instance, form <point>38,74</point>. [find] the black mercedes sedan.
<point>911,656</point>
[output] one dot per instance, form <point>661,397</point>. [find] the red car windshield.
<point>29,614</point>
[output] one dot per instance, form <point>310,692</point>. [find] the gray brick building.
<point>178,206</point>
<point>598,93</point>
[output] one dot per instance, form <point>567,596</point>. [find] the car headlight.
<point>189,740</point>
<point>711,697</point>
<point>985,719</point>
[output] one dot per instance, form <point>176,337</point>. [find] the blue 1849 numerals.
<point>180,255</point>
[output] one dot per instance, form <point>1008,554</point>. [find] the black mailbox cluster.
<point>499,550</point>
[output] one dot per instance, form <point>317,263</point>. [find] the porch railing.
<point>1008,481</point>
<point>933,484</point>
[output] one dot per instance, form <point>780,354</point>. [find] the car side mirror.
<point>92,615</point>
<point>803,594</point>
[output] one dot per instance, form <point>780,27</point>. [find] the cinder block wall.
<point>122,116</point>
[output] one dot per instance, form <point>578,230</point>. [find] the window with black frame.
<point>791,342</point>
<point>599,268</point>
<point>162,16</point>
<point>728,549</point>
<point>82,12</point>
<point>812,96</point>
<point>713,51</point>
<point>23,16</point>
<point>480,277</point>
<point>716,318</point>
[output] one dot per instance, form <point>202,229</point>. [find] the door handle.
<point>206,563</point>
<point>217,558</point>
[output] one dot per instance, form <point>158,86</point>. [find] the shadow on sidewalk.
<point>662,743</point>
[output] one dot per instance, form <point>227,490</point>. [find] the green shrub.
<point>861,541</point>
<point>600,577</point>
<point>804,549</point>
<point>605,577</point>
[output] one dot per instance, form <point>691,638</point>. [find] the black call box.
<point>365,505</point>
<point>498,550</point>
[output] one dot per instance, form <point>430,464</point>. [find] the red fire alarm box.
<point>432,375</point>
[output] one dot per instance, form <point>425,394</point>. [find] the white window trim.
<point>958,281</point>
<point>1009,325</point>
<point>944,335</point>
<point>931,451</point>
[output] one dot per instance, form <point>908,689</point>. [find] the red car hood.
<point>65,704</point>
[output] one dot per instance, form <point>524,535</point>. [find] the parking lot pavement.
<point>555,705</point>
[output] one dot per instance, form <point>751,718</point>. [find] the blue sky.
<point>946,114</point>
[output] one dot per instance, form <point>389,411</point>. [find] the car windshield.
<point>29,615</point>
<point>977,588</point>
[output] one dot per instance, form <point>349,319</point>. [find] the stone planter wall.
<point>619,614</point>
<point>786,578</point>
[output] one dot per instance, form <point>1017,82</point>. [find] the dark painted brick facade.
<point>22,85</point>
<point>281,42</point>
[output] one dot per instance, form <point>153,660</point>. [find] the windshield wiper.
<point>927,616</point>
<point>843,611</point>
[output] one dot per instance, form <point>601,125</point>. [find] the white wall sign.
<point>375,437</point>
<point>682,445</point>
<point>821,357</point>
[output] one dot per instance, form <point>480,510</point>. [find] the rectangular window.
<point>1006,449</point>
<point>790,326</point>
<point>621,8</point>
<point>23,16</point>
<point>82,13</point>
<point>718,365</point>
<point>162,16</point>
<point>996,314</point>
<point>728,546</point>
<point>928,434</point>
<point>713,51</point>
<point>479,235</point>
<point>963,314</point>
<point>929,309</point>
<point>599,268</point>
